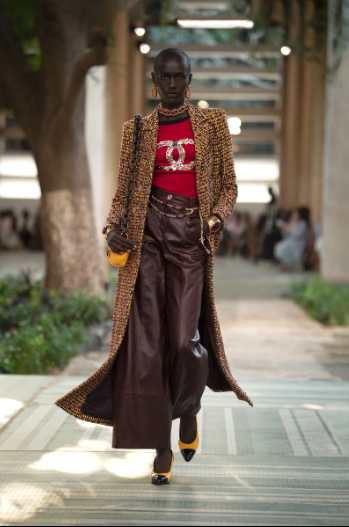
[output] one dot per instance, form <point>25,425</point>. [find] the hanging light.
<point>144,48</point>
<point>140,31</point>
<point>234,125</point>
<point>285,50</point>
<point>203,104</point>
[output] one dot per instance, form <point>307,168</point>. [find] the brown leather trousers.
<point>161,367</point>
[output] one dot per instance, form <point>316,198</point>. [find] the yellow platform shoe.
<point>162,479</point>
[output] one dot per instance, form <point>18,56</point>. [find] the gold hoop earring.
<point>154,91</point>
<point>188,92</point>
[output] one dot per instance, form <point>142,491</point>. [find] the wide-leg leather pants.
<point>161,368</point>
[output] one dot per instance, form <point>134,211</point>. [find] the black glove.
<point>118,243</point>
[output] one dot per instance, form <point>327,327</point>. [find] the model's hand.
<point>197,223</point>
<point>118,243</point>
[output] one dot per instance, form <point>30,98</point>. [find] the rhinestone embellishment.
<point>179,164</point>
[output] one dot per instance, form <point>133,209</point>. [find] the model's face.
<point>172,79</point>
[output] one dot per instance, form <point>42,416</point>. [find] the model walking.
<point>166,342</point>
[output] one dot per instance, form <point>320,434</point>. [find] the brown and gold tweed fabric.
<point>217,192</point>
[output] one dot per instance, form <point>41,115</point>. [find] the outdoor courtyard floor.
<point>283,462</point>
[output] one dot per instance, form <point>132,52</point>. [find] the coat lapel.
<point>148,143</point>
<point>150,131</point>
<point>202,153</point>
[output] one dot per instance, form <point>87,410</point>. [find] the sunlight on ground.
<point>132,466</point>
<point>86,424</point>
<point>126,465</point>
<point>7,408</point>
<point>19,502</point>
<point>313,407</point>
<point>68,462</point>
<point>243,483</point>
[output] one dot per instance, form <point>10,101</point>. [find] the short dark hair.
<point>304,214</point>
<point>175,53</point>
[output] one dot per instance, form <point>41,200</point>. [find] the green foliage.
<point>41,330</point>
<point>36,348</point>
<point>210,37</point>
<point>84,308</point>
<point>21,16</point>
<point>178,36</point>
<point>325,302</point>
<point>276,32</point>
<point>113,280</point>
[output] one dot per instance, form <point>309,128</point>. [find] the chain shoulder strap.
<point>131,173</point>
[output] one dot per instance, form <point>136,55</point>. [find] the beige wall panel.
<point>335,264</point>
<point>290,132</point>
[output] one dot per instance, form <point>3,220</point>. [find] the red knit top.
<point>175,158</point>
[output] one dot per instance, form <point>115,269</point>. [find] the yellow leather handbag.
<point>120,260</point>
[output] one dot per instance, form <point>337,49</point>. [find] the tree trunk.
<point>49,104</point>
<point>68,229</point>
<point>72,261</point>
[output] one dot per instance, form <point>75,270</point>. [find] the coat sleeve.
<point>125,155</point>
<point>229,190</point>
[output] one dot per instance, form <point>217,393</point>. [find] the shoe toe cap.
<point>188,454</point>
<point>158,479</point>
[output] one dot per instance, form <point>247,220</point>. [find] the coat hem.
<point>242,397</point>
<point>83,417</point>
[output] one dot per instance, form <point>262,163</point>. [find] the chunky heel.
<point>189,451</point>
<point>162,479</point>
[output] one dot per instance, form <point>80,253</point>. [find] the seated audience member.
<point>271,209</point>
<point>296,233</point>
<point>312,253</point>
<point>248,244</point>
<point>36,239</point>
<point>9,238</point>
<point>234,232</point>
<point>268,235</point>
<point>25,232</point>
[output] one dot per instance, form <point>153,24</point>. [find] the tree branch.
<point>97,56</point>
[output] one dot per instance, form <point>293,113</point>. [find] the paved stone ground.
<point>285,462</point>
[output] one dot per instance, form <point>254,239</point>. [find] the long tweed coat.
<point>217,193</point>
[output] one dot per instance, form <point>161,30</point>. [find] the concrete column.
<point>311,125</point>
<point>95,141</point>
<point>291,95</point>
<point>117,100</point>
<point>289,172</point>
<point>303,129</point>
<point>2,131</point>
<point>335,258</point>
<point>137,78</point>
<point>317,146</point>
